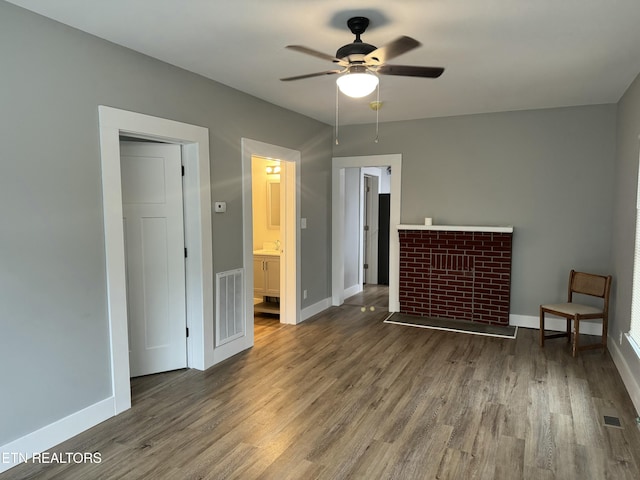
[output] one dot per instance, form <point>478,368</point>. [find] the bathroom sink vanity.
<point>266,280</point>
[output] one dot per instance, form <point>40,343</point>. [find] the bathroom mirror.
<point>273,204</point>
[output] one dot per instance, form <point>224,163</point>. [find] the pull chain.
<point>377,112</point>
<point>337,95</point>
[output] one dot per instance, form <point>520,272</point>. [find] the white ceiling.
<point>499,55</point>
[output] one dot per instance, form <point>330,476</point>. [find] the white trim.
<point>199,267</point>
<point>290,277</point>
<point>199,243</point>
<point>57,432</point>
<point>629,379</point>
<point>314,309</point>
<point>337,222</point>
<point>458,228</point>
<point>290,257</point>
<point>587,327</point>
<point>352,290</point>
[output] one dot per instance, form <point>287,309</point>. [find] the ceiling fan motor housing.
<point>354,49</point>
<point>357,25</point>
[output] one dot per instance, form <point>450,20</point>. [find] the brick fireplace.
<point>456,272</point>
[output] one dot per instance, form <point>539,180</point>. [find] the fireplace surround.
<point>456,272</point>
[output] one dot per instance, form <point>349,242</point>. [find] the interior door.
<point>370,229</point>
<point>366,240</point>
<point>154,246</point>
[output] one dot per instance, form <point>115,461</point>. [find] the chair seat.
<point>572,309</point>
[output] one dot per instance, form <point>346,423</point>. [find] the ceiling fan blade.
<point>391,50</point>
<point>310,75</point>
<point>410,71</point>
<point>317,54</point>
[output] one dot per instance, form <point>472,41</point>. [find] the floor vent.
<point>612,421</point>
<point>230,321</point>
<point>610,418</point>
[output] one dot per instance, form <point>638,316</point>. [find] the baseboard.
<point>626,373</point>
<point>554,323</point>
<point>314,309</point>
<point>51,435</point>
<point>352,290</point>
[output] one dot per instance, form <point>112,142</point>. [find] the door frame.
<point>198,237</point>
<point>290,258</point>
<point>338,166</point>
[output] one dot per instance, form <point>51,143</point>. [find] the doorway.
<point>340,165</point>
<point>194,143</point>
<point>361,230</point>
<point>289,187</point>
<point>268,229</point>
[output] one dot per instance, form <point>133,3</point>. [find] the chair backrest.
<point>590,284</point>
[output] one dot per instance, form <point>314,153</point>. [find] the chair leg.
<point>605,328</point>
<point>576,335</point>
<point>541,327</point>
<point>568,330</point>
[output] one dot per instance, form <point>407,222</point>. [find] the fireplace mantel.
<point>458,228</point>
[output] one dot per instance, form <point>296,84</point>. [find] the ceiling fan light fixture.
<point>357,85</point>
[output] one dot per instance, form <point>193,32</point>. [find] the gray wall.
<point>549,173</point>
<point>624,214</point>
<point>53,318</point>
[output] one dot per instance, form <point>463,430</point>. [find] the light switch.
<point>303,223</point>
<point>220,207</point>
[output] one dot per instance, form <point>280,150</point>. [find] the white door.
<point>366,256</point>
<point>154,245</point>
<point>371,229</point>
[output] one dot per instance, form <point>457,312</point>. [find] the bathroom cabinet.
<point>266,276</point>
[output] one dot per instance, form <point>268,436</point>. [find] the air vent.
<point>230,321</point>
<point>610,418</point>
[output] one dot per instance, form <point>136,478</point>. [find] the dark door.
<point>383,238</point>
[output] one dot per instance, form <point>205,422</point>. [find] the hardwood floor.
<point>264,325</point>
<point>344,395</point>
<point>371,296</point>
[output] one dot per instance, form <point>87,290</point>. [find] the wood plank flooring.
<point>371,296</point>
<point>344,395</point>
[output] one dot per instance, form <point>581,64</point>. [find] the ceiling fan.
<point>361,62</point>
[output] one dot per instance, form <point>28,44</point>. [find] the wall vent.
<point>230,317</point>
